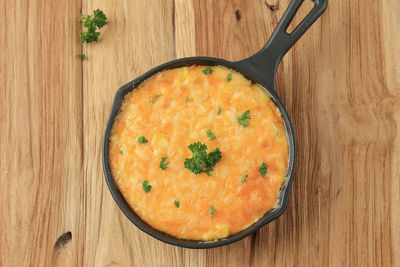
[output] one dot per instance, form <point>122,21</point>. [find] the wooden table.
<point>340,83</point>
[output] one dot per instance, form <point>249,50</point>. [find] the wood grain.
<point>41,133</point>
<point>340,84</point>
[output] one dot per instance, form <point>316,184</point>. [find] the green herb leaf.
<point>187,99</point>
<point>81,56</point>
<point>142,140</point>
<point>154,98</point>
<point>212,210</point>
<point>219,111</point>
<point>163,165</point>
<point>244,178</point>
<point>207,71</point>
<point>201,161</point>
<point>176,203</point>
<point>146,187</point>
<point>245,116</point>
<point>211,135</point>
<point>212,159</point>
<point>263,169</point>
<point>98,20</point>
<point>120,152</point>
<point>229,78</point>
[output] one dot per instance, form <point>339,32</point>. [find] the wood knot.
<point>272,7</point>
<point>238,15</point>
<point>63,240</point>
<point>338,192</point>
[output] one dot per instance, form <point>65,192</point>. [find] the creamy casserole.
<point>160,164</point>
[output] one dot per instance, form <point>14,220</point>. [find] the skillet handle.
<point>265,62</point>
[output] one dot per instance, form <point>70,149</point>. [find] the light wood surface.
<point>340,84</point>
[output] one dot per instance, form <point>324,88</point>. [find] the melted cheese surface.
<point>185,105</point>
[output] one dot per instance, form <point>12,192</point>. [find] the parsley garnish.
<point>146,187</point>
<point>187,99</point>
<point>142,140</point>
<point>207,71</point>
<point>212,210</point>
<point>201,160</point>
<point>163,165</point>
<point>219,111</point>
<point>81,56</point>
<point>98,20</point>
<point>120,152</point>
<point>245,116</point>
<point>229,78</point>
<point>176,203</point>
<point>244,178</point>
<point>211,135</point>
<point>154,98</point>
<point>263,169</point>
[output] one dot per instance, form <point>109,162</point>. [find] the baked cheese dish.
<point>199,152</point>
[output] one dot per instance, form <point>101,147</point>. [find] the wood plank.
<point>41,133</point>
<point>139,36</point>
<point>345,193</point>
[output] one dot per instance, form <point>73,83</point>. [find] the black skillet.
<point>259,68</point>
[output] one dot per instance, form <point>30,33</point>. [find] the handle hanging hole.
<point>303,11</point>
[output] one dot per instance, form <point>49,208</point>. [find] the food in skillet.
<point>199,152</point>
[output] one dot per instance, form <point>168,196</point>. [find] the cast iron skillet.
<point>259,68</point>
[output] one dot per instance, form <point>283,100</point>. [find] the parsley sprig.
<point>212,210</point>
<point>142,140</point>
<point>176,203</point>
<point>92,24</point>
<point>210,135</point>
<point>263,169</point>
<point>163,164</point>
<point>154,98</point>
<point>245,116</point>
<point>201,160</point>
<point>207,71</point>
<point>146,186</point>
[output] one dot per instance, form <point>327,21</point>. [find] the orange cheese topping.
<point>174,109</point>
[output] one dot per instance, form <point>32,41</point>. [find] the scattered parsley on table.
<point>92,24</point>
